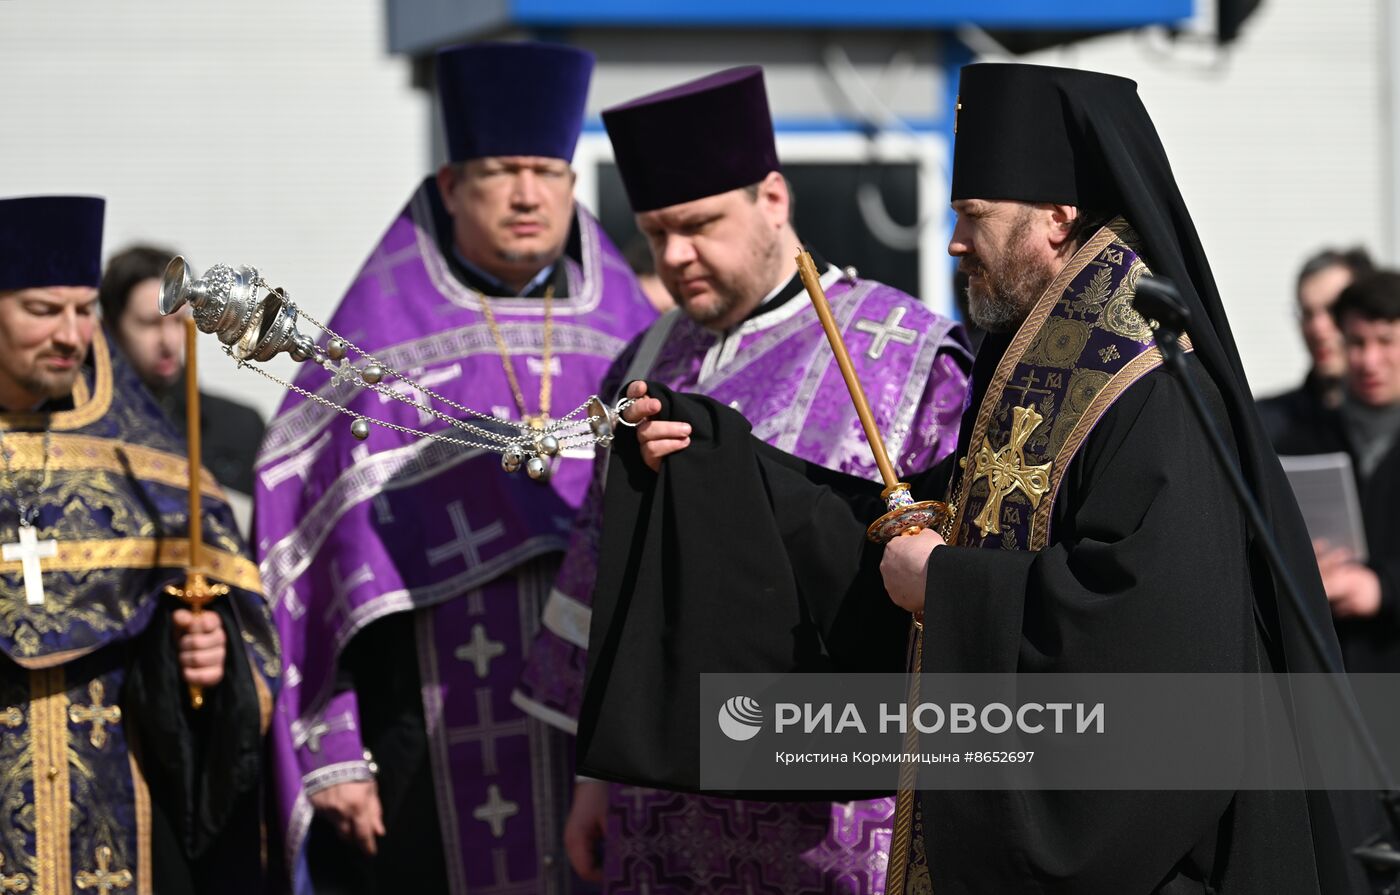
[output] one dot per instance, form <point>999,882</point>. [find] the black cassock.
<point>740,558</point>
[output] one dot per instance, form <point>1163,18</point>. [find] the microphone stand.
<point>1158,300</point>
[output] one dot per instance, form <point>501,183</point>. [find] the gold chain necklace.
<point>541,419</point>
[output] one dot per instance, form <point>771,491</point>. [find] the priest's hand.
<point>656,437</point>
<point>586,827</point>
<point>905,568</point>
<point>200,643</point>
<point>1353,589</point>
<point>353,809</point>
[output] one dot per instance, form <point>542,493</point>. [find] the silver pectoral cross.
<point>28,551</point>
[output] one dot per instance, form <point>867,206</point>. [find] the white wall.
<point>1279,143</point>
<point>282,135</point>
<point>1279,149</point>
<point>277,134</point>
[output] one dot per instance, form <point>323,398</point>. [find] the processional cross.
<point>28,551</point>
<point>1006,471</point>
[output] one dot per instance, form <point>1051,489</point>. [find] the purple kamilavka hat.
<point>698,139</point>
<point>512,99</point>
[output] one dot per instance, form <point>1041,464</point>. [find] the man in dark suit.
<point>1321,280</point>
<point>155,346</point>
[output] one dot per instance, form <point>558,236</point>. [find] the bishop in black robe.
<point>1142,561</point>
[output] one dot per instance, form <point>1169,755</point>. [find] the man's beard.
<point>1003,294</point>
<point>162,384</point>
<point>50,385</point>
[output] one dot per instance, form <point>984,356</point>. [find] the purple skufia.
<point>50,241</point>
<point>512,99</point>
<point>699,139</point>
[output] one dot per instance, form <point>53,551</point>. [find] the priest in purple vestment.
<point>409,575</point>
<point>110,780</point>
<point>745,334</point>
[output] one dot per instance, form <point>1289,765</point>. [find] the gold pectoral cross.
<point>1006,471</point>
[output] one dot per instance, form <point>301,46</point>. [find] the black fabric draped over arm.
<point>734,558</point>
<point>203,766</point>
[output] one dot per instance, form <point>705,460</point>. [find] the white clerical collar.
<point>777,290</point>
<point>762,320</point>
<point>475,271</point>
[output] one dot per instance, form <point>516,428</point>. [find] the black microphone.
<point>1157,299</point>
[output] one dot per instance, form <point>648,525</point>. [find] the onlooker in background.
<point>1365,597</point>
<point>638,255</point>
<point>1321,280</point>
<point>155,345</point>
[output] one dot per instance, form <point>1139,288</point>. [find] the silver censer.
<point>256,322</point>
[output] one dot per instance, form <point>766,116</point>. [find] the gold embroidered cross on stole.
<point>96,714</point>
<point>102,878</point>
<point>1006,471</point>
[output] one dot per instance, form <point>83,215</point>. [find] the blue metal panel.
<point>416,26</point>
<point>1053,14</point>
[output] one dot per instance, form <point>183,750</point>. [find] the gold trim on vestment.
<point>48,732</point>
<point>1131,372</point>
<point>86,453</point>
<point>264,699</point>
<point>1022,340</point>
<point>142,794</point>
<point>142,553</point>
<point>53,660</point>
<point>901,835</point>
<point>87,408</point>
